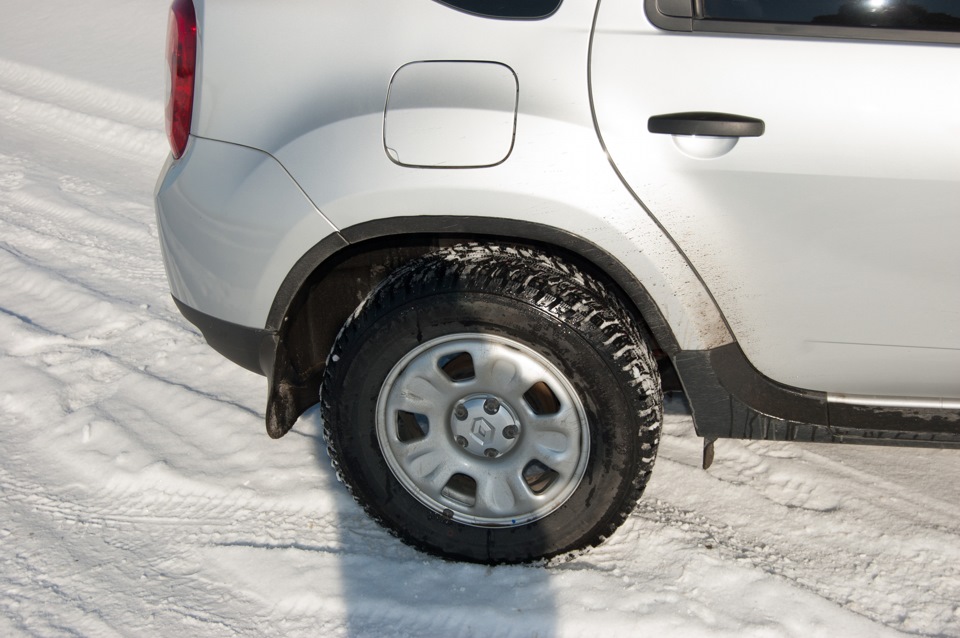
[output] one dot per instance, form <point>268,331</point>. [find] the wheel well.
<point>336,287</point>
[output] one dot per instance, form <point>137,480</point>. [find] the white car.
<point>487,235</point>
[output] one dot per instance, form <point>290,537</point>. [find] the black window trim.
<point>657,13</point>
<point>540,15</point>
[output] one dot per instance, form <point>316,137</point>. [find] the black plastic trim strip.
<point>732,399</point>
<point>675,20</point>
<point>828,32</point>
<point>505,9</point>
<point>240,344</point>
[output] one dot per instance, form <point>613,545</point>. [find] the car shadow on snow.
<point>390,588</point>
<point>385,587</point>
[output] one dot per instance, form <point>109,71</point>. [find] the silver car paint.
<point>830,242</point>
<point>317,105</point>
<point>232,224</point>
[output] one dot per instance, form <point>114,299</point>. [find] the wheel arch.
<point>333,278</point>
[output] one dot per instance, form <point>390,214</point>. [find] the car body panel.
<point>326,115</point>
<point>841,288</point>
<point>829,242</point>
<point>232,224</point>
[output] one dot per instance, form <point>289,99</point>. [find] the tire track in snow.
<point>74,263</point>
<point>206,516</point>
<point>56,301</point>
<point>72,271</point>
<point>89,254</point>
<point>60,221</point>
<point>854,542</point>
<point>166,541</point>
<point>857,580</point>
<point>64,108</point>
<point>93,402</point>
<point>77,95</point>
<point>108,244</point>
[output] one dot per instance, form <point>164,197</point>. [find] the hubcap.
<point>485,425</point>
<point>483,430</point>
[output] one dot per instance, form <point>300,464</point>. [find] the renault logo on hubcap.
<point>482,430</point>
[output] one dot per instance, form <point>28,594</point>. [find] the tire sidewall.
<point>612,410</point>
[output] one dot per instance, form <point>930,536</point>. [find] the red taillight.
<point>182,59</point>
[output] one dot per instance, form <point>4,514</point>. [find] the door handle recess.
<point>706,123</point>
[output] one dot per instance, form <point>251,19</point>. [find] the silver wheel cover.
<point>483,430</point>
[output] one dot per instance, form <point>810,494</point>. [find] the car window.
<point>932,15</point>
<point>931,21</point>
<point>514,9</point>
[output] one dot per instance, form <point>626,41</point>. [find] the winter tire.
<point>493,404</point>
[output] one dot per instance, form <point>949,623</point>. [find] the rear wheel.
<point>493,404</point>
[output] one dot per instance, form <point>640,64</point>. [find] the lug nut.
<point>491,406</point>
<point>462,441</point>
<point>491,453</point>
<point>511,432</point>
<point>460,412</point>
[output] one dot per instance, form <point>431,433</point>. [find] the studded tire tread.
<point>494,283</point>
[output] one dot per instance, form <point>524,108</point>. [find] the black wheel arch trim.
<point>730,398</point>
<point>293,386</point>
<point>525,232</point>
<point>298,275</point>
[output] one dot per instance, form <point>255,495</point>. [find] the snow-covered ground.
<point>140,495</point>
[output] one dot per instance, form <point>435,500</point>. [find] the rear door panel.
<point>830,242</point>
